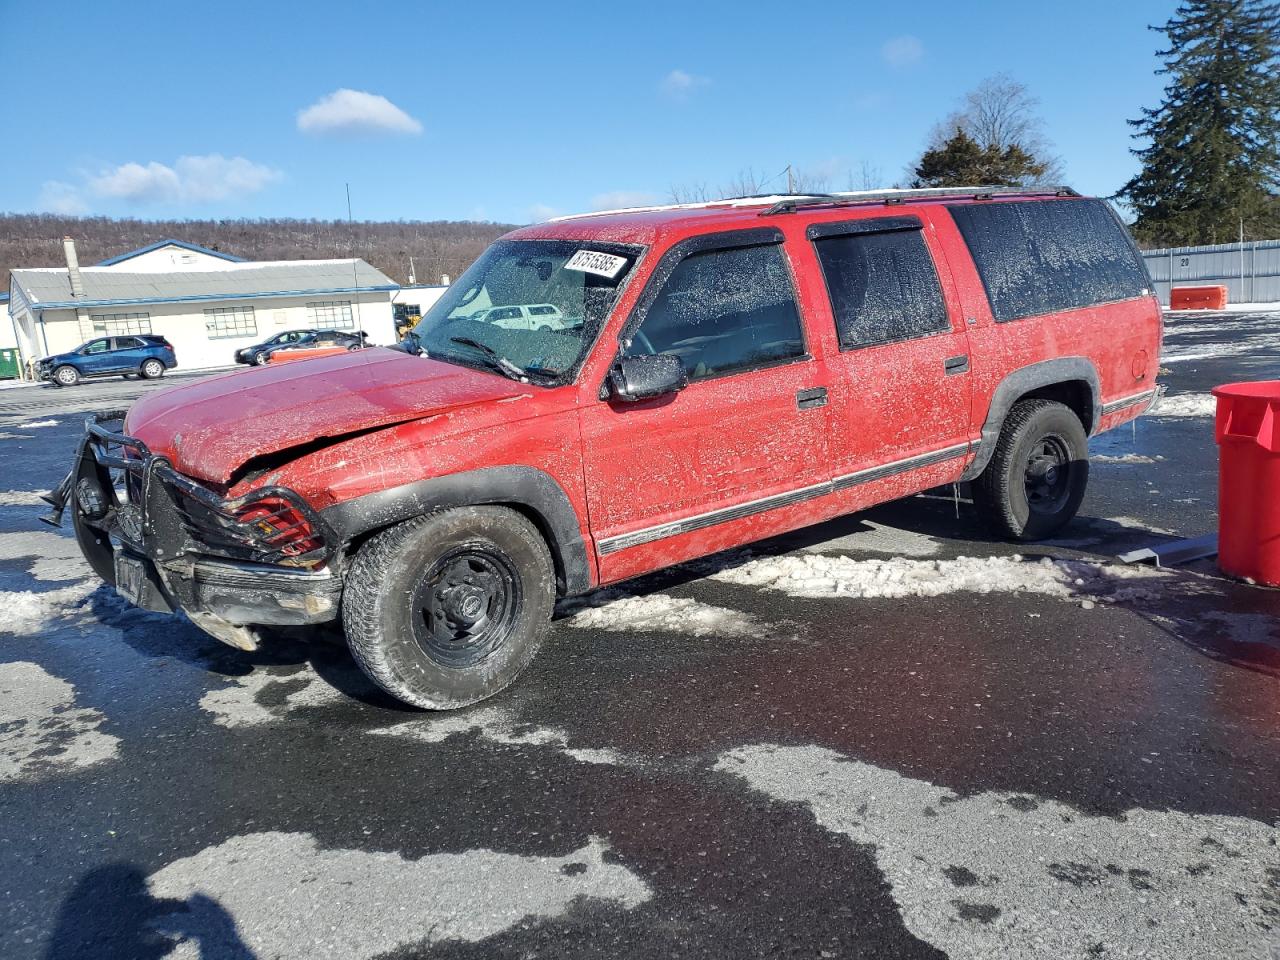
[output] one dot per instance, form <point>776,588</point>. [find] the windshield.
<point>533,306</point>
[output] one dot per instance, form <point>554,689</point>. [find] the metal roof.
<point>161,244</point>
<point>50,289</point>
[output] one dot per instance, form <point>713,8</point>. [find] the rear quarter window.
<point>1042,256</point>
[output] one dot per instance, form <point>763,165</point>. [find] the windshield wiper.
<point>494,359</point>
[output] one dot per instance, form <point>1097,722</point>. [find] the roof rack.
<point>982,192</point>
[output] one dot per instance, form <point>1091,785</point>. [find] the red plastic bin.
<point>1248,434</point>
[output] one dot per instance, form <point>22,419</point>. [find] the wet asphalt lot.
<point>773,753</point>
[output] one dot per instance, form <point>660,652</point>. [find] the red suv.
<point>721,373</point>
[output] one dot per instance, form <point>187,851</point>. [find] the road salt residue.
<point>817,576</point>
<point>659,613</point>
<point>42,731</point>
<point>1123,458</point>
<point>54,557</point>
<point>36,423</point>
<point>497,725</point>
<point>289,898</point>
<point>1003,875</point>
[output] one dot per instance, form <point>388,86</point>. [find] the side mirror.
<point>412,344</point>
<point>643,378</point>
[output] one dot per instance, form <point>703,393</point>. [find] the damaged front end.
<point>169,543</point>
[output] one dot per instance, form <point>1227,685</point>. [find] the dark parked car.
<point>319,339</point>
<point>257,354</point>
<point>144,354</point>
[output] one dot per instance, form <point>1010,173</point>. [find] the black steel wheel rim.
<point>1047,475</point>
<point>467,605</point>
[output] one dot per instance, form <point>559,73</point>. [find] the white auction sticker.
<point>601,264</point>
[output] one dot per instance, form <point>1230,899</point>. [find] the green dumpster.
<point>9,366</point>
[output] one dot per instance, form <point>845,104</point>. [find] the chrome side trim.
<point>1125,402</point>
<point>784,499</point>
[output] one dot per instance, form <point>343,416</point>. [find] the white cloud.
<point>196,179</point>
<point>353,112</point>
<point>618,199</point>
<point>541,211</point>
<point>902,51</point>
<point>64,198</point>
<point>680,84</point>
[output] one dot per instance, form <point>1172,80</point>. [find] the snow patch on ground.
<point>1003,875</point>
<point>241,704</point>
<point>33,424</point>
<point>1245,627</point>
<point>496,725</point>
<point>817,576</point>
<point>1123,458</point>
<point>289,898</point>
<point>659,613</point>
<point>56,557</point>
<point>42,731</point>
<point>1185,405</point>
<point>25,613</point>
<point>20,498</point>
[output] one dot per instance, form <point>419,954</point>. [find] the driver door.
<point>720,462</point>
<point>97,356</point>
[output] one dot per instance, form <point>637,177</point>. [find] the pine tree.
<point>1212,155</point>
<point>961,161</point>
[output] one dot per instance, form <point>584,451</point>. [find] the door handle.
<point>958,364</point>
<point>810,398</point>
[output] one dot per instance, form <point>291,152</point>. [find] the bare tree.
<point>868,177</point>
<point>997,114</point>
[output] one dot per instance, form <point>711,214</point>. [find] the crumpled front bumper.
<point>167,543</point>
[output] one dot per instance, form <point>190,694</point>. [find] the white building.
<point>206,303</point>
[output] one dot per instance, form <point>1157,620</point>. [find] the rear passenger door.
<point>712,465</point>
<point>128,354</point>
<point>900,381</point>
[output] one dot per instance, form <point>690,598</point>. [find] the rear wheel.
<point>445,610</point>
<point>152,369</point>
<point>1037,476</point>
<point>66,376</point>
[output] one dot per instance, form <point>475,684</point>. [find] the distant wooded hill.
<point>437,246</point>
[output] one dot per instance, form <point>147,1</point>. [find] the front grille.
<point>178,515</point>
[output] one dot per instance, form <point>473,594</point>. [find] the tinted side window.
<point>1040,256</point>
<point>724,310</point>
<point>883,287</point>
<point>128,343</point>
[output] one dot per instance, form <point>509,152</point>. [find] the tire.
<point>66,376</point>
<point>1037,476</point>
<point>152,369</point>
<point>261,359</point>
<point>430,636</point>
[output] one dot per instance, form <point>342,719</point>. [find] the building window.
<point>331,315</point>
<point>118,324</point>
<point>223,322</point>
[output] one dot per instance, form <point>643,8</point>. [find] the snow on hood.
<point>211,427</point>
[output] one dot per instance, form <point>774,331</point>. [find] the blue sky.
<point>514,111</point>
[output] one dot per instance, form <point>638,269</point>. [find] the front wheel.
<point>66,376</point>
<point>152,369</point>
<point>1037,476</point>
<point>445,610</point>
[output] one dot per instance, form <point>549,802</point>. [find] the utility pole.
<point>791,183</point>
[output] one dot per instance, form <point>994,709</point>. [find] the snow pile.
<point>1185,405</point>
<point>817,576</point>
<point>20,498</point>
<point>37,423</point>
<point>658,613</point>
<point>25,613</point>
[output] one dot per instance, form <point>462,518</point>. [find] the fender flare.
<point>1022,381</point>
<point>528,487</point>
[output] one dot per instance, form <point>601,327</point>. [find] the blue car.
<point>145,355</point>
